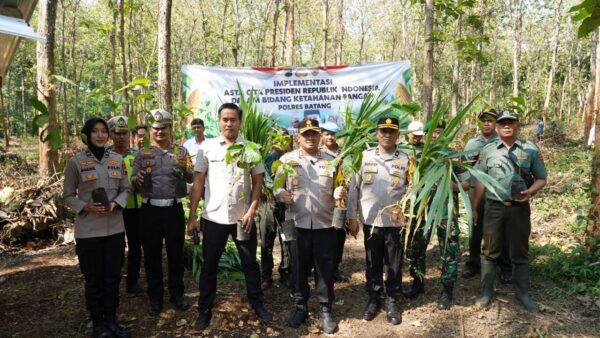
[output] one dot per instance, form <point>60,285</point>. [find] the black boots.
<point>521,282</point>
<point>99,326</point>
<point>262,313</point>
<point>179,303</point>
<point>415,289</point>
<point>299,316</point>
<point>392,311</point>
<point>203,320</point>
<point>445,300</point>
<point>328,324</point>
<point>372,307</point>
<point>470,271</point>
<point>114,327</point>
<point>488,274</point>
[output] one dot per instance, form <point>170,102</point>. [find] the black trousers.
<point>268,232</point>
<point>318,248</point>
<point>384,247</point>
<point>213,244</point>
<point>475,245</point>
<point>339,251</point>
<point>168,224</point>
<point>100,261</point>
<point>512,223</point>
<point>134,244</point>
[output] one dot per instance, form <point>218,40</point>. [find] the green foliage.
<point>588,12</point>
<point>230,265</point>
<point>281,170</point>
<point>51,133</point>
<point>575,269</point>
<point>256,125</point>
<point>245,155</point>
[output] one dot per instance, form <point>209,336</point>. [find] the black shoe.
<point>134,289</point>
<point>328,324</point>
<point>267,283</point>
<point>101,331</point>
<point>339,277</point>
<point>506,277</point>
<point>155,308</point>
<point>445,300</point>
<point>391,310</point>
<point>470,272</point>
<point>415,289</point>
<point>372,308</point>
<point>179,303</point>
<point>203,320</point>
<point>262,313</point>
<point>116,329</point>
<point>299,316</point>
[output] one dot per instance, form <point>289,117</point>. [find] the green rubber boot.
<point>521,283</point>
<point>488,274</point>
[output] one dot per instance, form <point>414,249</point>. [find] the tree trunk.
<point>4,115</point>
<point>121,23</point>
<point>427,92</point>
<point>238,24</point>
<point>456,69</point>
<point>23,110</point>
<point>593,230</point>
<point>363,31</point>
<point>493,71</point>
<point>325,32</point>
<point>164,54</point>
<point>113,49</point>
<point>339,38</point>
<point>274,33</point>
<point>589,101</point>
<point>289,33</point>
<point>225,7</point>
<point>516,9</point>
<point>555,36</point>
<point>63,61</point>
<point>77,79</point>
<point>48,159</point>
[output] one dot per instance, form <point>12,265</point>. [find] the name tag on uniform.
<point>86,163</point>
<point>370,167</point>
<point>113,162</point>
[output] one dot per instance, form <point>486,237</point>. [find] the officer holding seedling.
<point>374,197</point>
<point>160,173</point>
<point>309,194</point>
<point>518,167</point>
<point>231,194</point>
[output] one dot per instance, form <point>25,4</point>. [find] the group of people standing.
<point>118,190</point>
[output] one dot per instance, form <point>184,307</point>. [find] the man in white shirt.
<point>193,144</point>
<point>231,194</point>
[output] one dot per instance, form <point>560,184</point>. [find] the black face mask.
<point>98,152</point>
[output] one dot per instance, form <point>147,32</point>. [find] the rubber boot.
<point>521,282</point>
<point>488,273</point>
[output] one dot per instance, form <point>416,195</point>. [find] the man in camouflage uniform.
<point>381,182</point>
<point>474,145</point>
<point>518,167</point>
<point>447,233</point>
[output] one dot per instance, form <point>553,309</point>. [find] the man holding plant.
<point>231,194</point>
<point>447,234</point>
<point>517,166</point>
<point>310,196</point>
<point>373,197</point>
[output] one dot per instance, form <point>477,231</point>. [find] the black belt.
<point>508,203</point>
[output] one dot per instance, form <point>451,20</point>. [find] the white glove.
<point>339,193</point>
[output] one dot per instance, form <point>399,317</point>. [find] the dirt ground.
<point>41,295</point>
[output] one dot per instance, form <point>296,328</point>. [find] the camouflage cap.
<point>118,124</point>
<point>159,118</point>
